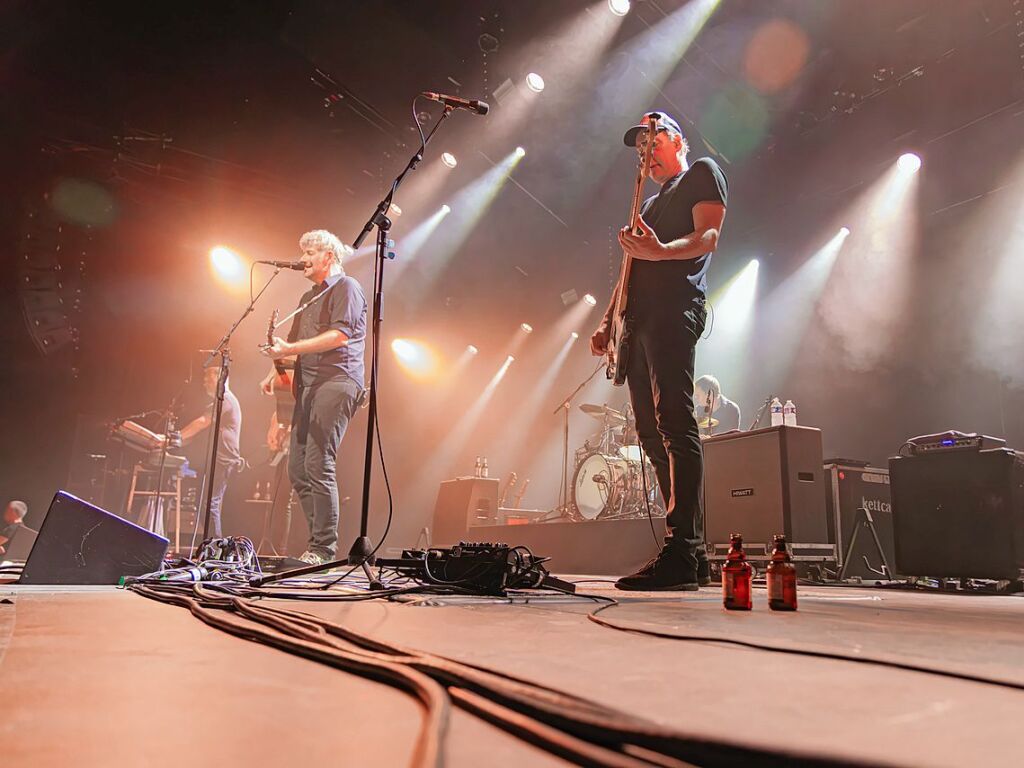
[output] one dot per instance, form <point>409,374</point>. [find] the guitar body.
<point>619,332</point>
<point>618,351</point>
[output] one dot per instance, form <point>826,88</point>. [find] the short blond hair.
<point>323,240</point>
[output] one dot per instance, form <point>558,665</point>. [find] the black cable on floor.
<point>836,656</point>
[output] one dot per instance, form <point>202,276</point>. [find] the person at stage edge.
<point>229,459</point>
<point>327,339</point>
<point>680,226</point>
<point>708,400</point>
<point>12,522</point>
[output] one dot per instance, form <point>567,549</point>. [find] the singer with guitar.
<point>326,339</point>
<point>658,308</point>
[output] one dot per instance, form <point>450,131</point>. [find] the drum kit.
<point>613,479</point>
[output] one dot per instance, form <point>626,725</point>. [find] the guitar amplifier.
<point>850,487</point>
<point>764,482</point>
<point>461,503</point>
<point>959,514</point>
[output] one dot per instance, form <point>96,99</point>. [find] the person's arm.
<point>194,427</point>
<point>707,226</point>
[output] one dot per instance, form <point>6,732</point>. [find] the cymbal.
<point>602,413</point>
<point>707,422</point>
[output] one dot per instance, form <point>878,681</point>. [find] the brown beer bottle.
<point>781,578</point>
<point>736,577</point>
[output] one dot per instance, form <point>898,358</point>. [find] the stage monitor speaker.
<point>959,513</point>
<point>851,487</point>
<point>764,482</point>
<point>461,503</point>
<point>79,543</point>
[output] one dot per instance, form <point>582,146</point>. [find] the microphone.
<point>284,264</point>
<point>707,404</point>
<point>454,102</point>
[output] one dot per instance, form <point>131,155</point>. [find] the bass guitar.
<point>619,332</point>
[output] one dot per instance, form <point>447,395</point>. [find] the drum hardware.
<point>707,423</point>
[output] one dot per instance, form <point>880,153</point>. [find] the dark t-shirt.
<point>343,308</point>
<point>230,430</point>
<point>657,285</point>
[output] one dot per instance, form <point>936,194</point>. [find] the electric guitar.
<point>619,333</point>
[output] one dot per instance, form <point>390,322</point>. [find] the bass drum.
<point>599,485</point>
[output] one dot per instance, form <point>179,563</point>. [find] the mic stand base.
<point>360,556</point>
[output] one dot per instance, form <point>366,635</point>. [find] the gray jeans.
<point>322,413</point>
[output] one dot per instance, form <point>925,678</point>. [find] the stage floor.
<point>103,677</point>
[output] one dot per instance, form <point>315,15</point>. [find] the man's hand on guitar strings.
<point>645,246</point>
<point>280,348</point>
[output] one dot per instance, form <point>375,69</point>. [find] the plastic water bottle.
<point>483,468</point>
<point>478,467</point>
<point>789,414</point>
<point>776,410</point>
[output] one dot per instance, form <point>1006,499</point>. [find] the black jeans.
<point>322,413</point>
<point>659,373</point>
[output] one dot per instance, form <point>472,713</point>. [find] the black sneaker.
<point>667,572</point>
<point>704,572</point>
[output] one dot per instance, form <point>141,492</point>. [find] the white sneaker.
<point>311,557</point>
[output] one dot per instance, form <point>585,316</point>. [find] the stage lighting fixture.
<point>509,360</point>
<point>535,82</point>
<point>520,152</point>
<point>844,231</point>
<point>574,335</point>
<point>590,300</point>
<point>472,350</point>
<point>226,263</point>
<point>527,327</point>
<point>446,208</point>
<point>909,163</point>
<point>449,159</point>
<point>395,210</point>
<point>619,7</point>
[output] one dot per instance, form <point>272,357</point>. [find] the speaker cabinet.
<point>764,482</point>
<point>959,514</point>
<point>79,543</point>
<point>851,487</point>
<point>461,503</point>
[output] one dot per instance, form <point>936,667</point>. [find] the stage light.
<point>590,300</point>
<point>395,210</point>
<point>227,265</point>
<point>472,350</point>
<point>619,7</point>
<point>449,159</point>
<point>520,152</point>
<point>844,232</point>
<point>574,335</point>
<point>909,163</point>
<point>415,357</point>
<point>446,209</point>
<point>527,327</point>
<point>535,82</point>
<point>508,361</point>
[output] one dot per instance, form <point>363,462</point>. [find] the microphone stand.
<point>222,351</point>
<point>363,553</point>
<point>760,413</point>
<point>565,406</point>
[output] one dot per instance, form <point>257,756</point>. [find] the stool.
<point>157,523</point>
